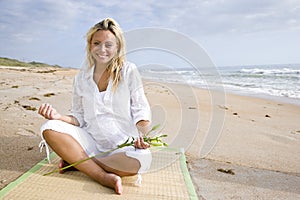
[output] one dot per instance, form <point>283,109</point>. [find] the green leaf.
<point>163,135</point>
<point>153,129</point>
<point>154,141</point>
<point>156,144</point>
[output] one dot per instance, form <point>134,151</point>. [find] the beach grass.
<point>14,62</point>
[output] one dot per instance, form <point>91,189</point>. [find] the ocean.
<point>280,82</point>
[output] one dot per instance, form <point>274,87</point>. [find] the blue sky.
<point>233,32</point>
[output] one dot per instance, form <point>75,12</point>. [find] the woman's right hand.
<point>47,111</point>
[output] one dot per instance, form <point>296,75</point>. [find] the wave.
<point>270,71</point>
<point>271,80</point>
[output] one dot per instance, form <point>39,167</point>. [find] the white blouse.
<point>111,116</point>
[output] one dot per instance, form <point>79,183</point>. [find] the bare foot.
<point>107,179</point>
<point>112,181</point>
<point>119,187</point>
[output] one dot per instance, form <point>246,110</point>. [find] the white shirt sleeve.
<point>139,106</point>
<point>76,107</point>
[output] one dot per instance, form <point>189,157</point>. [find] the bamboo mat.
<point>168,178</point>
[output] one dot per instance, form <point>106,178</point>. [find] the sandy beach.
<point>255,156</point>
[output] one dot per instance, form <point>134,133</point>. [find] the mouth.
<point>101,56</point>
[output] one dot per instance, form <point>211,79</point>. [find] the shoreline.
<point>279,99</point>
<point>249,112</point>
<point>260,137</point>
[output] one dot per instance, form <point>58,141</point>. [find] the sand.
<point>237,147</point>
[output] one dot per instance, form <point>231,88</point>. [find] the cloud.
<point>198,17</point>
<point>27,27</point>
<point>234,16</point>
<point>31,19</point>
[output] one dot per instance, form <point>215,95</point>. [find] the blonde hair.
<point>115,65</point>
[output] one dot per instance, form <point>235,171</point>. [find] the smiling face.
<point>103,47</point>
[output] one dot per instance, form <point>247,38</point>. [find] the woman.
<point>108,106</point>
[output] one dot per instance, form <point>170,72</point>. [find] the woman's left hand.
<point>140,143</point>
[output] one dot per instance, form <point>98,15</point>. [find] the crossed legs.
<point>106,170</point>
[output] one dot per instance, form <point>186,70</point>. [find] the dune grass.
<point>17,63</point>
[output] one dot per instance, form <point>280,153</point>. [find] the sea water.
<point>272,81</point>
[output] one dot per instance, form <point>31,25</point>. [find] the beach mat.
<point>168,178</point>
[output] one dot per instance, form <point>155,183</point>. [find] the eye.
<point>96,43</point>
<point>108,45</point>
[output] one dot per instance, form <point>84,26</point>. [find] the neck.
<point>101,77</point>
<point>100,68</point>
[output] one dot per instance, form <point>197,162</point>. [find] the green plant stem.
<point>81,161</point>
<point>155,141</point>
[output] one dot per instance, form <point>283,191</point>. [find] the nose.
<point>102,48</point>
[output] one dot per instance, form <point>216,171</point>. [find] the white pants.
<point>89,145</point>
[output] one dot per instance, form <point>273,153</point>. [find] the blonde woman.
<point>108,106</point>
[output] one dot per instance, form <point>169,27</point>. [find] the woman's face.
<point>103,46</point>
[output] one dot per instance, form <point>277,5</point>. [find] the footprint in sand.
<point>47,71</point>
<point>192,108</point>
<point>295,132</point>
<point>25,132</point>
<point>29,107</point>
<point>226,171</point>
<point>49,94</point>
<point>223,107</point>
<point>34,98</point>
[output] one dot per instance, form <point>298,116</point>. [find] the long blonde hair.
<point>116,63</point>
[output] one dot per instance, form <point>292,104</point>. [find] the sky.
<point>232,32</point>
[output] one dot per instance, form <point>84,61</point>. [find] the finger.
<point>145,145</point>
<point>142,142</point>
<point>41,108</point>
<point>138,142</point>
<point>136,145</point>
<point>49,109</point>
<point>51,114</point>
<point>44,110</point>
